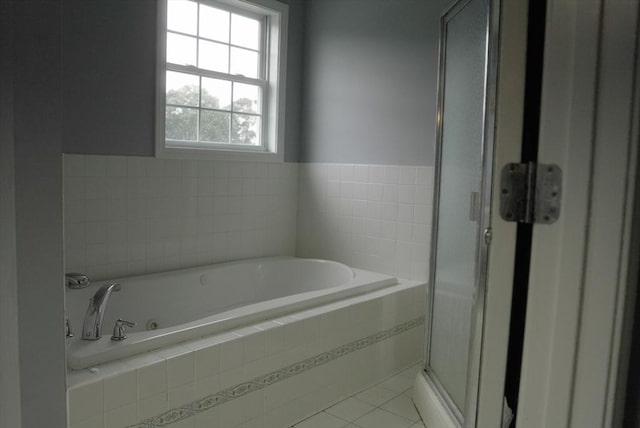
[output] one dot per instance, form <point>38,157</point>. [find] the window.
<point>221,91</point>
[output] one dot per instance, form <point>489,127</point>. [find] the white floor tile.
<point>411,372</point>
<point>385,405</point>
<point>382,419</point>
<point>322,420</point>
<point>402,406</point>
<point>350,409</point>
<point>398,383</point>
<point>376,395</point>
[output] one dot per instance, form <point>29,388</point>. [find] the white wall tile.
<point>152,406</point>
<point>181,395</point>
<point>74,187</point>
<point>253,346</point>
<point>180,370</point>
<point>347,172</point>
<point>152,379</point>
<point>85,402</point>
<point>360,191</point>
<point>147,201</point>
<point>207,385</point>
<point>154,167</point>
<point>95,166</point>
<point>120,390</point>
<point>210,418</point>
<point>422,214</point>
<point>407,175</point>
<point>135,166</point>
<point>96,422</point>
<point>74,166</point>
<point>346,190</point>
<point>375,192</point>
<point>231,355</point>
<point>361,173</point>
<point>172,168</point>
<point>231,377</point>
<point>274,340</point>
<point>391,174</point>
<point>391,193</point>
<point>220,169</point>
<point>377,174</point>
<point>207,362</point>
<point>116,166</point>
<point>393,206</point>
<point>121,417</point>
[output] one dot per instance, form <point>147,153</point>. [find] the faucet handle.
<point>68,329</point>
<point>76,280</point>
<point>119,329</point>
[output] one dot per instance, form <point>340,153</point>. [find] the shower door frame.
<point>468,418</point>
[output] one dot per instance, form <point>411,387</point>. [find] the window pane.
<point>245,32</point>
<point>214,23</point>
<point>181,123</point>
<point>182,89</point>
<point>246,98</point>
<point>182,16</point>
<point>216,93</point>
<point>245,129</point>
<point>181,49</point>
<point>244,62</point>
<point>214,126</point>
<point>214,56</point>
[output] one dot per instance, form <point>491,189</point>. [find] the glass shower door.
<point>462,169</point>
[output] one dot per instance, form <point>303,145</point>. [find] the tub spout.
<point>92,328</point>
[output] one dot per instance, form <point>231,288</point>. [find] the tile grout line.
<point>363,415</point>
<point>373,407</point>
<point>198,406</point>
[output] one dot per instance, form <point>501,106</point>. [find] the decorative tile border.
<point>257,383</point>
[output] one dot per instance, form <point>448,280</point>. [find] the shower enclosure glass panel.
<point>457,228</point>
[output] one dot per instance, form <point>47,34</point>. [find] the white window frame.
<point>274,49</point>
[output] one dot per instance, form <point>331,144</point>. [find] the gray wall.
<point>370,81</point>
<point>108,68</point>
<point>9,363</point>
<point>361,79</point>
<point>295,54</point>
<point>38,211</point>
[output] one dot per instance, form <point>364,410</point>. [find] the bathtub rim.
<point>76,314</point>
<point>84,354</point>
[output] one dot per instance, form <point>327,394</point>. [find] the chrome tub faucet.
<point>92,328</point>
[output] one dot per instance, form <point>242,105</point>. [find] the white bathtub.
<point>191,303</point>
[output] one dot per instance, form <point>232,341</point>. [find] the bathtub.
<point>176,306</point>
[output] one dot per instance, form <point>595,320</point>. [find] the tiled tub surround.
<point>372,217</point>
<point>129,215</point>
<point>271,374</point>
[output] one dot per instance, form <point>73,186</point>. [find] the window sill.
<point>163,152</point>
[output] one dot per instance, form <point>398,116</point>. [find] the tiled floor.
<point>385,405</point>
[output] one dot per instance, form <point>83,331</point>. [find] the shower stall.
<point>461,232</point>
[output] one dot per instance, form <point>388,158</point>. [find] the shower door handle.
<point>474,206</point>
